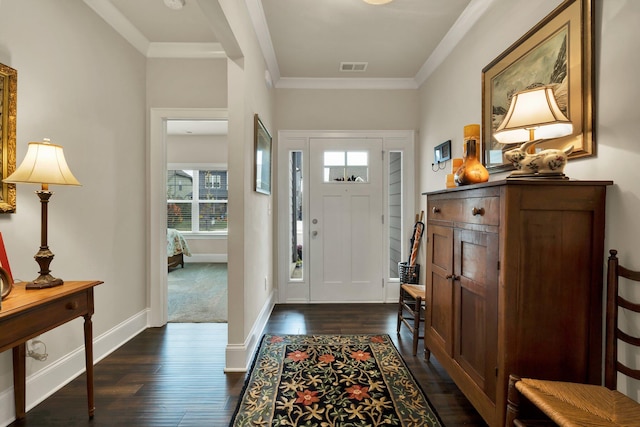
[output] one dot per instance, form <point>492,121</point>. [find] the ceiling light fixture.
<point>174,4</point>
<point>377,2</point>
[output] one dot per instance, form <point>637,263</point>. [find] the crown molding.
<point>458,30</point>
<point>107,11</point>
<point>463,24</point>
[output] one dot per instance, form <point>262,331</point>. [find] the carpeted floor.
<point>332,380</point>
<point>198,293</point>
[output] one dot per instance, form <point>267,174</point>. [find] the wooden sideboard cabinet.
<point>514,275</point>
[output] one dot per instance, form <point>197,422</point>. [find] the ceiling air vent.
<point>351,67</point>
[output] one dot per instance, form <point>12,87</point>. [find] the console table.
<point>26,314</point>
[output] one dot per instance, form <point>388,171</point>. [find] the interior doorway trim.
<point>157,199</point>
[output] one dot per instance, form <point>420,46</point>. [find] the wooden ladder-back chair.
<point>571,404</point>
<point>411,312</point>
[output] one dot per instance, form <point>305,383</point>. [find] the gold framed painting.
<point>8,108</point>
<point>558,51</point>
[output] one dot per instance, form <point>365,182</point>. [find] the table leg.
<point>19,379</point>
<point>88,354</point>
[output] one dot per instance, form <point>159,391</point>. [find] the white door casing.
<point>299,290</point>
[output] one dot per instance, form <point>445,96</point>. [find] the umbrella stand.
<point>418,229</point>
<point>409,271</point>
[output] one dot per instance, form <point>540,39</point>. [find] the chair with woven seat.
<point>411,311</point>
<point>574,404</point>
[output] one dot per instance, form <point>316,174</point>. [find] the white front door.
<point>345,212</point>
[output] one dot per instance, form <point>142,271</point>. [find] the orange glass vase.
<point>472,171</point>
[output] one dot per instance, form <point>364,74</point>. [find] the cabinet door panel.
<point>544,281</point>
<point>476,299</point>
<point>439,322</point>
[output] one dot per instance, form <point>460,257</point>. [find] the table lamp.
<point>44,164</point>
<point>534,115</point>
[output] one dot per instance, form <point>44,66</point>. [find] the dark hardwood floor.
<point>173,376</point>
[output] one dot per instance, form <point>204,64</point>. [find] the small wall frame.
<point>262,157</point>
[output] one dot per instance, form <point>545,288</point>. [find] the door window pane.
<point>346,166</point>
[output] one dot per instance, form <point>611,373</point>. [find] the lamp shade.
<point>43,164</point>
<point>534,109</point>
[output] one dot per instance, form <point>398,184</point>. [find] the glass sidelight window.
<point>296,248</point>
<point>395,212</point>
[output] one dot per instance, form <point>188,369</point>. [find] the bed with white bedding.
<point>177,248</point>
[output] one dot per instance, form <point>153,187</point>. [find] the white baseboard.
<point>45,382</point>
<point>239,356</point>
<point>206,258</point>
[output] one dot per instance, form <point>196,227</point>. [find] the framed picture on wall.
<point>558,52</point>
<point>262,157</point>
<point>8,109</point>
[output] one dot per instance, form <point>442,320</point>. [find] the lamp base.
<point>44,281</point>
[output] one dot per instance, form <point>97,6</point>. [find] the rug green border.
<point>250,373</point>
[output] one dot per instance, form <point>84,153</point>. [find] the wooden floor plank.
<point>173,376</point>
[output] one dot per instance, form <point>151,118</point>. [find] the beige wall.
<point>187,83</point>
<point>250,245</point>
<point>83,86</point>
<point>314,109</point>
<point>451,98</point>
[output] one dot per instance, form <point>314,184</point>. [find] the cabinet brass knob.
<point>72,305</point>
<point>477,211</point>
<point>435,210</point>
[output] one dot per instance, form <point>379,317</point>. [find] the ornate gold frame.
<point>8,108</point>
<point>512,71</point>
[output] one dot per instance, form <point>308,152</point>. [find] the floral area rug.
<point>331,380</point>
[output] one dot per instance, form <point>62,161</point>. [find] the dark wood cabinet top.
<point>517,182</point>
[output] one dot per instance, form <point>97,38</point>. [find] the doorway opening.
<point>196,203</point>
<point>157,207</point>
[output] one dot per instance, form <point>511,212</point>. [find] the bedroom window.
<point>197,200</point>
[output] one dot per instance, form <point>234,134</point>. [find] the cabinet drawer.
<point>43,318</point>
<point>473,210</point>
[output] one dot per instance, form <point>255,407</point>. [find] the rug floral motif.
<point>331,381</point>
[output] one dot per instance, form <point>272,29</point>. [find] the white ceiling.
<point>305,41</point>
